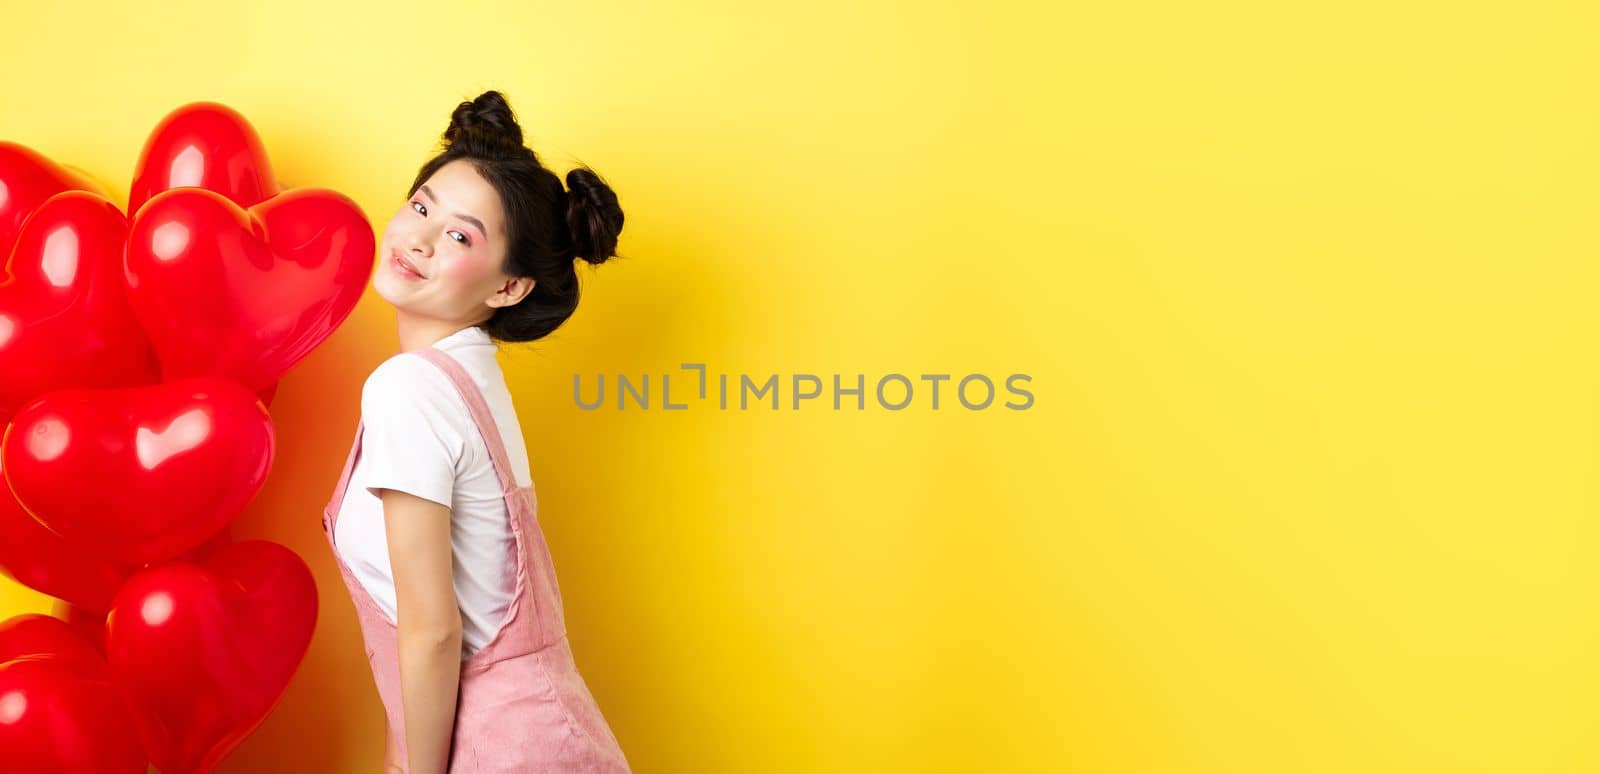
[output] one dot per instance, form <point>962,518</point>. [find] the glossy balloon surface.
<point>59,708</point>
<point>48,563</point>
<point>244,294</point>
<point>143,473</point>
<point>204,145</point>
<point>27,179</point>
<point>65,321</point>
<point>205,650</point>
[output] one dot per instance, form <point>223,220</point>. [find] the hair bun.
<point>593,215</point>
<point>487,120</point>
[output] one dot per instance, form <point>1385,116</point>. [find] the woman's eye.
<point>419,208</point>
<point>459,237</point>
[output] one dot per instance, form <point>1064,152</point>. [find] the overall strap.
<point>535,572</point>
<point>349,468</point>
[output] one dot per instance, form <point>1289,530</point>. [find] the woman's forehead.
<point>457,189</point>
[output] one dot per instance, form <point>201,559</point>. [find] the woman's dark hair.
<point>547,226</point>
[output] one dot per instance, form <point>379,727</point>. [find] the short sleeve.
<point>412,438</point>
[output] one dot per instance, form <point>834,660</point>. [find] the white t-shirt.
<point>419,437</point>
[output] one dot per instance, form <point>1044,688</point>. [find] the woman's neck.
<point>417,332</point>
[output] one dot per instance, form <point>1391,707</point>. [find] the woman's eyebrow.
<point>462,215</point>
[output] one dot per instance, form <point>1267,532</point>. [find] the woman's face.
<point>452,232</point>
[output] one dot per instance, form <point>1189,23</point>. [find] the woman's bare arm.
<point>391,753</point>
<point>429,621</point>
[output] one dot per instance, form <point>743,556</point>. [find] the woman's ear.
<point>513,290</point>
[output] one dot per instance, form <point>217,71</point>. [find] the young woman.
<point>432,523</point>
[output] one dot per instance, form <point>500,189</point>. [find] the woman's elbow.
<point>443,633</point>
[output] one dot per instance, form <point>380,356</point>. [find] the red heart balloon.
<point>48,563</point>
<point>65,321</point>
<point>244,294</point>
<point>142,474</point>
<point>204,145</point>
<point>205,651</point>
<point>59,708</point>
<point>27,178</point>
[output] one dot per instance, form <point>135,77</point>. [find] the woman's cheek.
<point>467,267</point>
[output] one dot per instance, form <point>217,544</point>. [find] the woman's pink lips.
<point>400,266</point>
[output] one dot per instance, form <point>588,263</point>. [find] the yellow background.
<point>1306,295</point>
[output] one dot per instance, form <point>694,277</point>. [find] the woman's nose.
<point>415,241</point>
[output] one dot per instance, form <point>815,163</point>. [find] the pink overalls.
<point>522,705</point>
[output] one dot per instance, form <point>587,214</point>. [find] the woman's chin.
<point>396,296</point>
